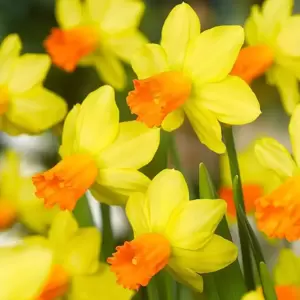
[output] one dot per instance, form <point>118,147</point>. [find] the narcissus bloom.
<point>188,74</point>
<point>99,153</point>
<point>76,273</point>
<point>277,213</point>
<point>282,292</point>
<point>97,33</point>
<point>18,202</point>
<point>24,271</point>
<point>257,181</point>
<point>25,105</point>
<point>273,49</point>
<point>171,232</point>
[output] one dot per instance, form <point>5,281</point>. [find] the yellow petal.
<point>254,295</point>
<point>98,120</point>
<point>287,85</point>
<point>36,110</point>
<point>231,100</point>
<point>294,127</point>
<point>149,60</point>
<point>205,124</point>
<point>68,13</point>
<point>254,33</point>
<point>274,156</point>
<point>107,195</point>
<point>110,70</point>
<point>166,193</point>
<point>134,147</point>
<point>122,16</point>
<point>82,252</point>
<point>29,71</point>
<point>137,214</point>
<point>69,133</point>
<point>120,181</point>
<point>217,254</point>
<point>101,285</point>
<point>173,120</point>
<point>126,45</point>
<point>194,225</point>
<point>287,268</point>
<point>185,276</point>
<point>181,26</point>
<point>9,51</point>
<point>96,9</point>
<point>24,271</point>
<point>212,55</point>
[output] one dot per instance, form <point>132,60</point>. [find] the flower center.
<point>67,181</point>
<point>57,284</point>
<point>8,214</point>
<point>136,262</point>
<point>251,193</point>
<point>4,100</point>
<point>67,47</point>
<point>155,97</point>
<point>252,62</point>
<point>278,214</point>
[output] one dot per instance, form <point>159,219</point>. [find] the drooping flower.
<point>17,199</point>
<point>256,180</point>
<point>188,74</point>
<point>97,33</point>
<point>277,213</point>
<point>25,105</point>
<point>273,49</point>
<point>171,232</point>
<point>76,273</point>
<point>99,153</point>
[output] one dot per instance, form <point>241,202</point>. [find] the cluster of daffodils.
<point>203,76</point>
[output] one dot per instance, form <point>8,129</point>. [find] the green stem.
<point>175,157</point>
<point>239,201</point>
<point>108,238</point>
<point>152,292</point>
<point>82,213</point>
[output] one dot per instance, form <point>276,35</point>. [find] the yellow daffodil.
<point>256,181</point>
<point>97,33</point>
<point>76,273</point>
<point>25,105</point>
<point>277,213</point>
<point>24,271</point>
<point>171,232</point>
<point>188,73</point>
<point>282,292</point>
<point>273,48</point>
<point>99,153</point>
<point>17,199</point>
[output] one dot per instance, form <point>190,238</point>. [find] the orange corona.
<point>4,99</point>
<point>68,47</point>
<point>66,182</point>
<point>8,214</point>
<point>136,262</point>
<point>252,62</point>
<point>155,97</point>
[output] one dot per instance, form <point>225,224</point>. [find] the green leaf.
<point>82,213</point>
<point>267,283</point>
<point>219,284</point>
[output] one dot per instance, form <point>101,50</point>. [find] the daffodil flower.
<point>277,213</point>
<point>188,74</point>
<point>76,273</point>
<point>282,293</point>
<point>18,202</point>
<point>99,153</point>
<point>256,181</point>
<point>97,33</point>
<point>171,232</point>
<point>25,105</point>
<point>273,49</point>
<point>24,271</point>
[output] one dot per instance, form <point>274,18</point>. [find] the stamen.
<point>252,62</point>
<point>67,47</point>
<point>278,214</point>
<point>8,214</point>
<point>66,182</point>
<point>57,284</point>
<point>136,262</point>
<point>251,193</point>
<point>155,97</point>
